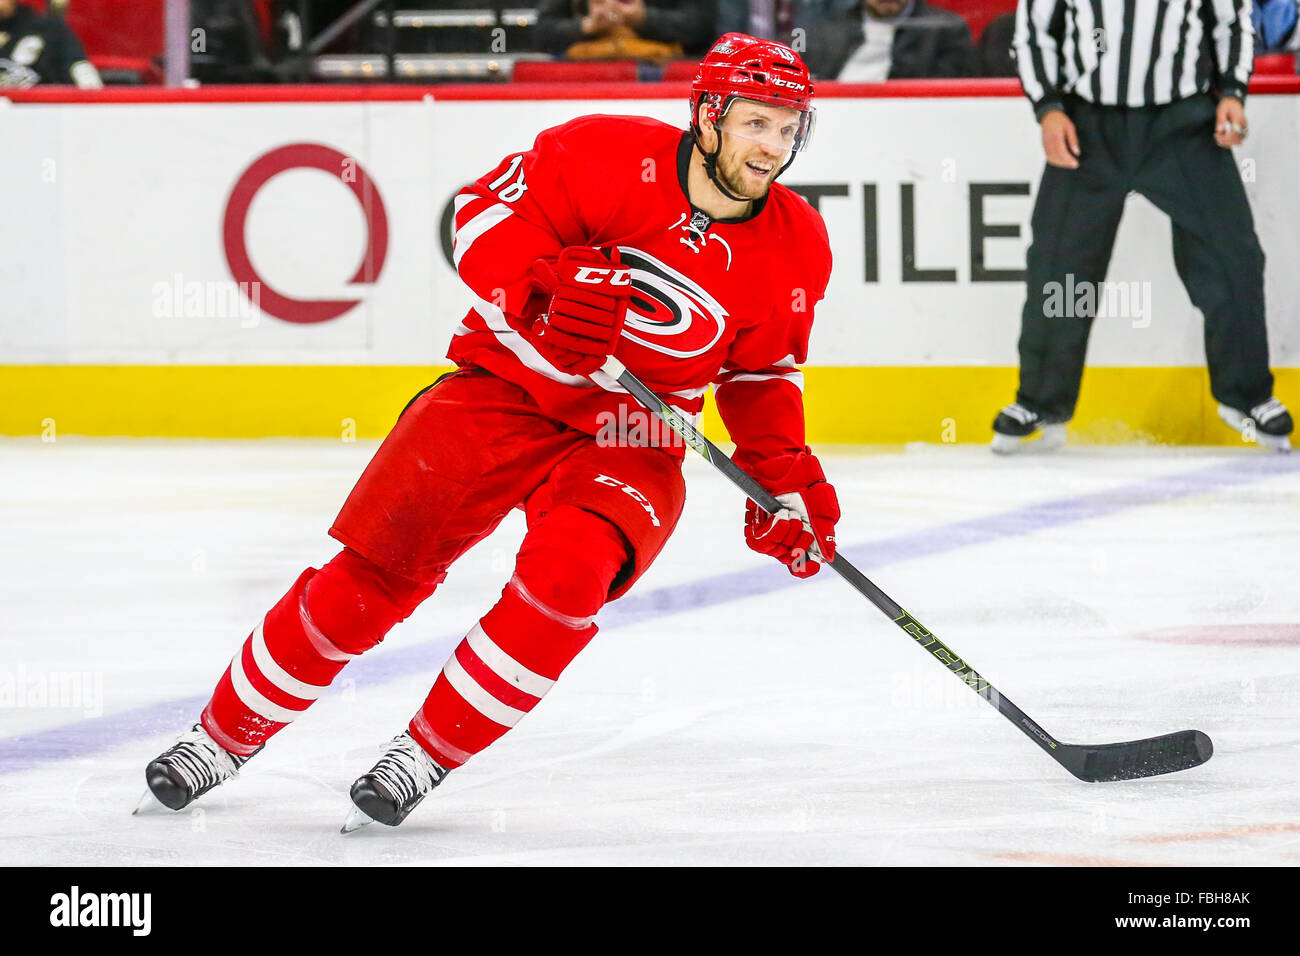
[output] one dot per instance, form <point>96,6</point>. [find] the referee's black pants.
<point>1168,154</point>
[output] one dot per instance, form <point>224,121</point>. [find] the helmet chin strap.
<point>711,167</point>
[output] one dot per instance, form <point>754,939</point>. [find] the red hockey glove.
<point>582,321</point>
<point>802,533</point>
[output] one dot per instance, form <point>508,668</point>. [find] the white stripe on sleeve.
<point>480,224</point>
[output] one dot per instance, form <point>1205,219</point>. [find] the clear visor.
<point>781,130</point>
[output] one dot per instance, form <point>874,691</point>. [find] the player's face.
<point>7,8</point>
<point>886,9</point>
<point>759,143</point>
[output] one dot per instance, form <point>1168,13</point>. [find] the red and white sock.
<point>513,656</point>
<point>327,618</point>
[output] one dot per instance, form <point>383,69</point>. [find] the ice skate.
<point>1268,424</point>
<point>189,769</point>
<point>394,786</point>
<point>1014,426</point>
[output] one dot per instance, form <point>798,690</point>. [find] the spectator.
<point>1275,26</point>
<point>290,34</point>
<point>891,40</point>
<point>994,48</point>
<point>625,29</point>
<point>778,19</point>
<point>41,49</point>
<point>226,44</point>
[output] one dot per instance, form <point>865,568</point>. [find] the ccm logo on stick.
<point>596,276</point>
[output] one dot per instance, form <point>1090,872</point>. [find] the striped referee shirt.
<point>1132,52</point>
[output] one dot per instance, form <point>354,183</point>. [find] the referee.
<point>1143,96</point>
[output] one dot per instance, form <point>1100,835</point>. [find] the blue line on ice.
<point>81,739</point>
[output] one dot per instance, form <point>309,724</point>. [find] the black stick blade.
<point>1136,758</point>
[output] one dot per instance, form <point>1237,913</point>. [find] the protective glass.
<point>776,128</point>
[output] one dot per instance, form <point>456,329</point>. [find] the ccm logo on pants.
<point>632,493</point>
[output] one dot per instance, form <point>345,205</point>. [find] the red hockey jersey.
<point>727,302</point>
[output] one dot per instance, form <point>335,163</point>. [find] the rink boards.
<point>283,268</point>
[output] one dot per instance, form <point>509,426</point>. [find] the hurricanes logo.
<point>668,312</point>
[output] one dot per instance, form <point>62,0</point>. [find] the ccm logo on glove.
<point>601,276</point>
<point>587,295</point>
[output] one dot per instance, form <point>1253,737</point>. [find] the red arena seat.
<point>119,35</point>
<point>565,71</point>
<point>1275,63</point>
<point>681,71</point>
<point>978,13</point>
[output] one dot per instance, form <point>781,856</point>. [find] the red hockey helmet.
<point>740,66</point>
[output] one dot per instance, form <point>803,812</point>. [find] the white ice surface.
<point>795,727</point>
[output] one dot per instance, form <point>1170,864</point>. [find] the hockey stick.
<point>1093,763</point>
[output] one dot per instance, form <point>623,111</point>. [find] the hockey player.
<point>676,252</point>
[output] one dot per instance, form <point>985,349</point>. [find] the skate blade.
<point>356,820</point>
<point>1277,443</point>
<point>1050,438</point>
<point>149,804</point>
<point>1239,423</point>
